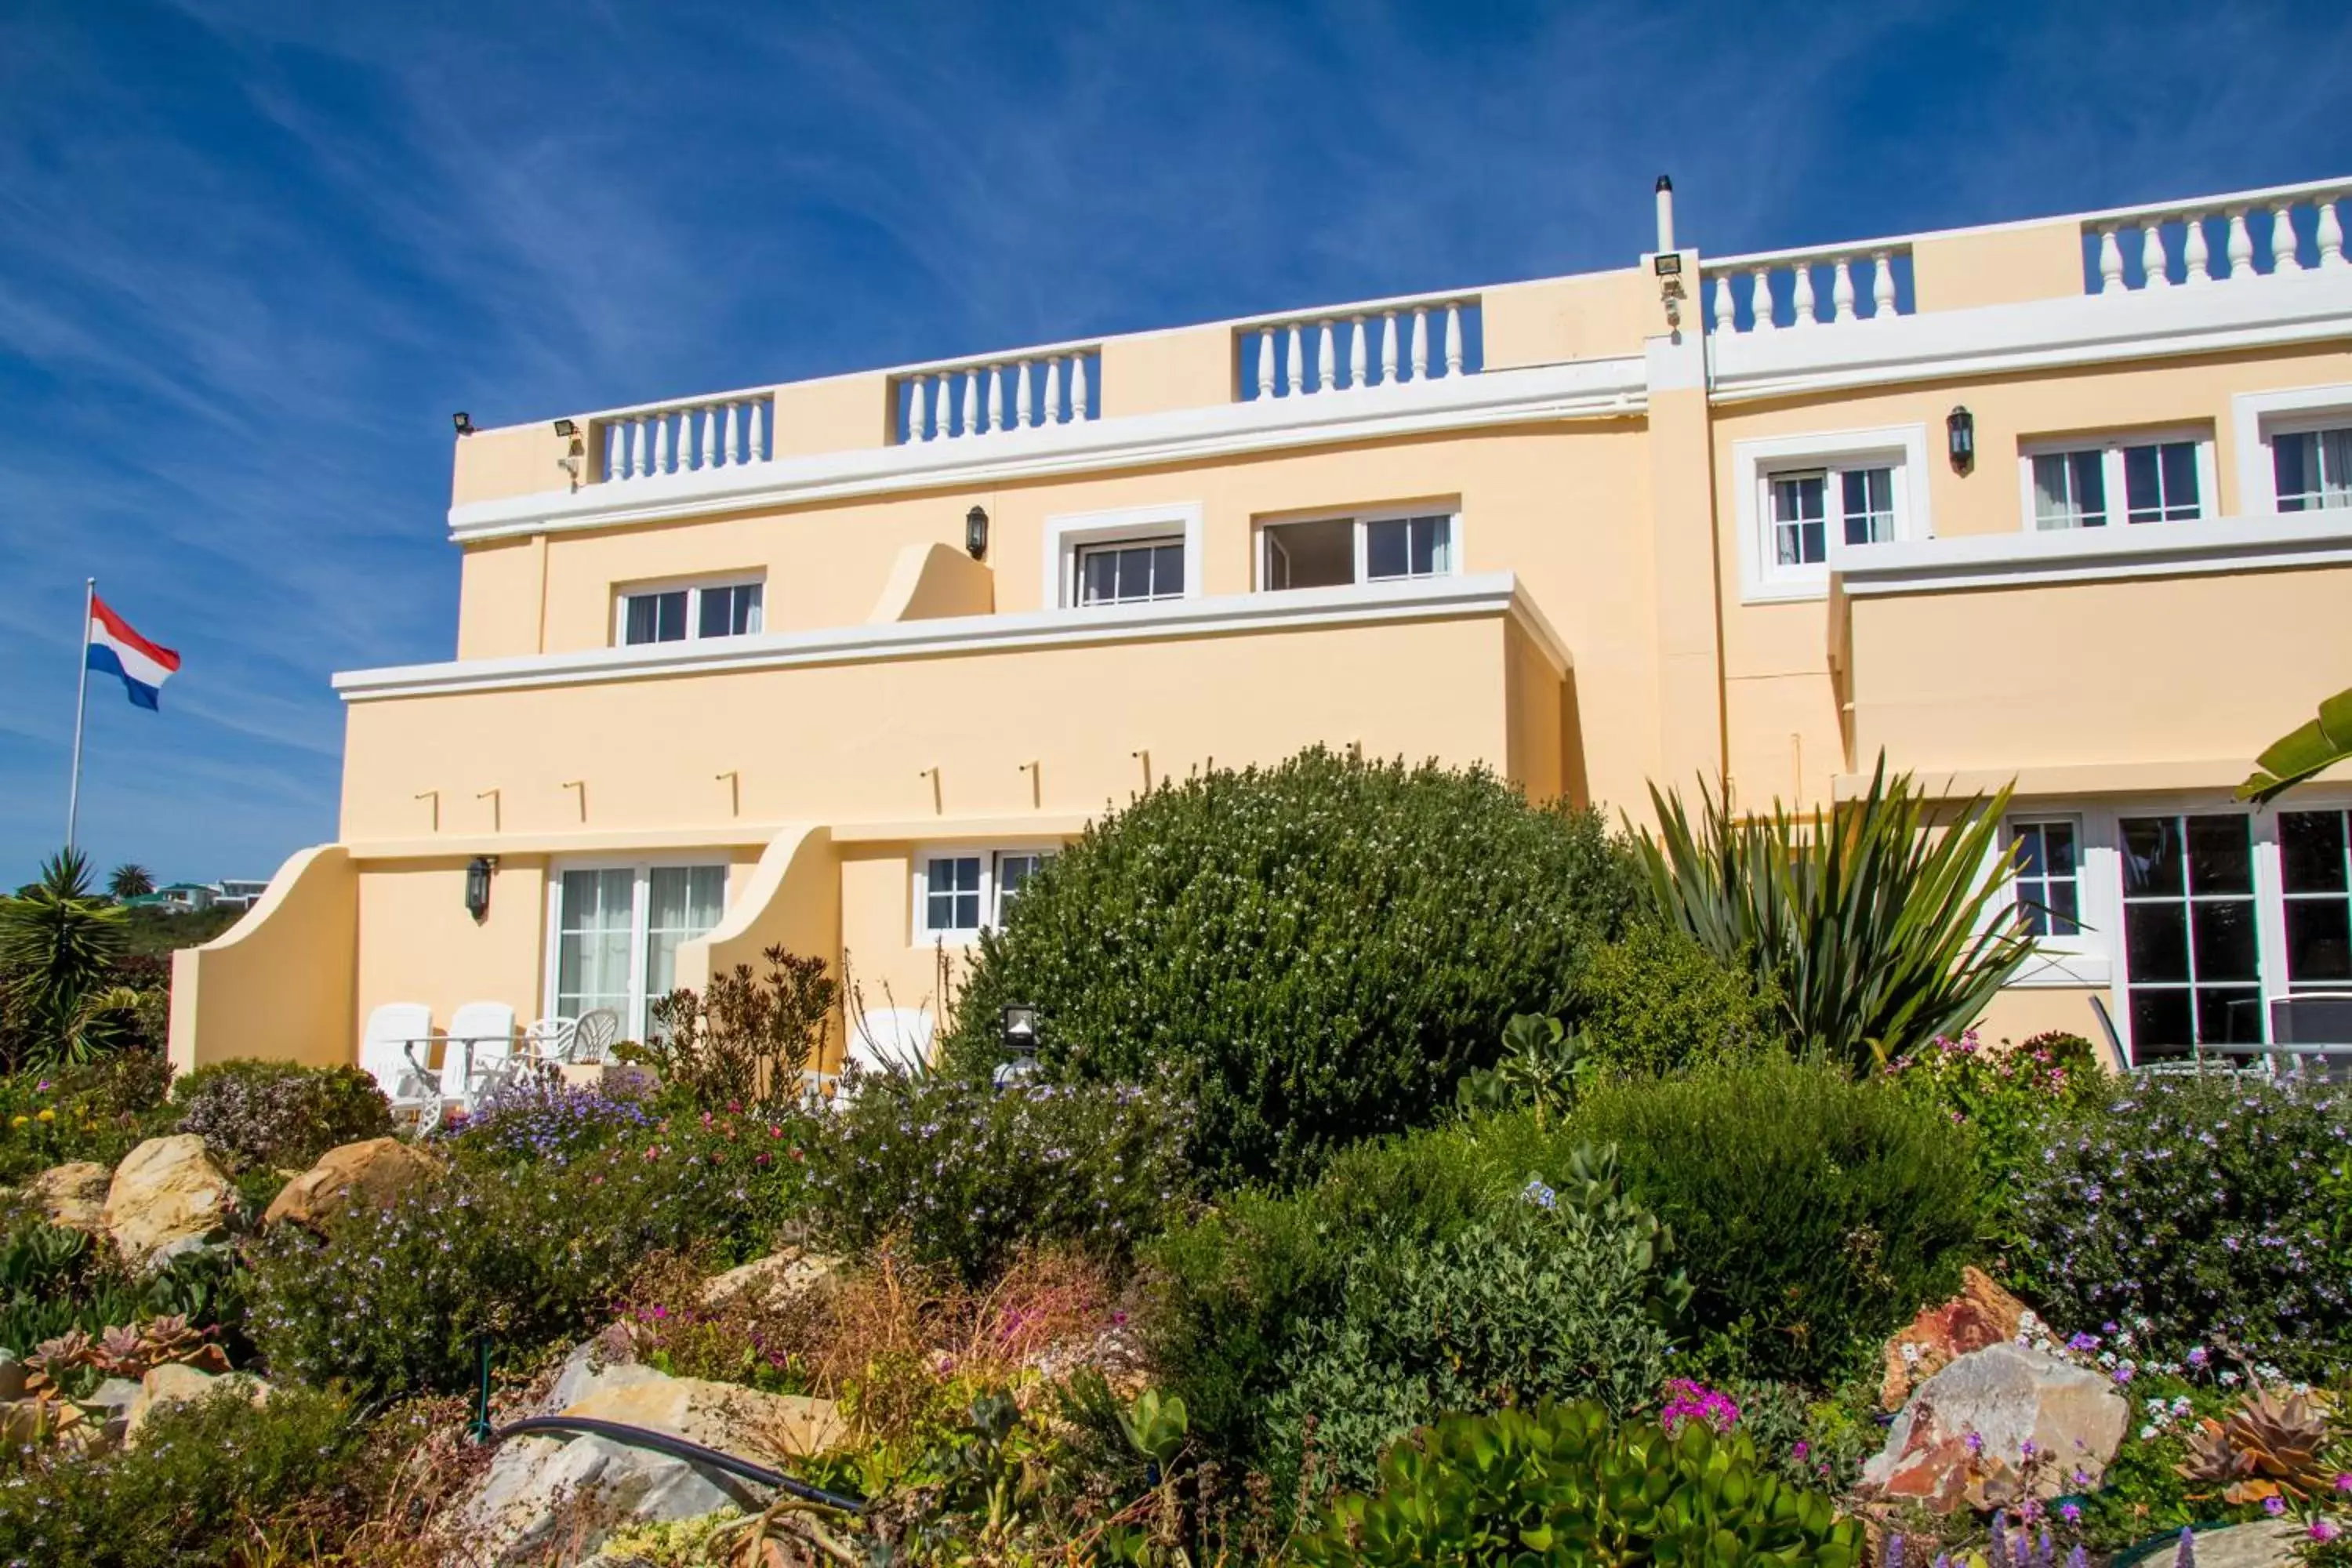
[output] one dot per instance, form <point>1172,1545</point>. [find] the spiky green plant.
<point>130,881</point>
<point>1882,922</point>
<point>58,946</point>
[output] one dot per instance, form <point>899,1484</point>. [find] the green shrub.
<point>963,1176</point>
<point>203,1482</point>
<point>54,1280</point>
<point>95,1110</point>
<point>2203,1205</point>
<point>1322,947</point>
<point>278,1115</point>
<point>1555,1295</point>
<point>1658,1002</point>
<point>535,1119</point>
<point>1814,1213</point>
<point>1561,1484</point>
<point>1268,1291</point>
<point>2009,1096</point>
<point>528,1255</point>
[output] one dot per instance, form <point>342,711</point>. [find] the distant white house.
<point>187,898</point>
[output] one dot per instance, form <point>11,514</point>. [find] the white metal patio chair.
<point>592,1037</point>
<point>548,1040</point>
<point>391,1049</point>
<point>478,1053</point>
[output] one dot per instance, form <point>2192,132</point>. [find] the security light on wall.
<point>975,533</point>
<point>1960,434</point>
<point>463,421</point>
<point>567,428</point>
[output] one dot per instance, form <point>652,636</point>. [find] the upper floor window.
<point>692,611</point>
<point>1860,500</point>
<point>1337,552</point>
<point>1803,497</point>
<point>1131,573</point>
<point>2092,484</point>
<point>2312,469</point>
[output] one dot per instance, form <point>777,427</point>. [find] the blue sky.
<point>252,256</point>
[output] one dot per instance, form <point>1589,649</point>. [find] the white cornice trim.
<point>2094,554</point>
<point>2265,311</point>
<point>1424,599</point>
<point>1582,389</point>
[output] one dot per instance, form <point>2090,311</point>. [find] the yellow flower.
<point>20,1121</point>
<point>47,1115</point>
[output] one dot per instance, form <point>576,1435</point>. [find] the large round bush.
<point>1320,949</point>
<point>259,1114</point>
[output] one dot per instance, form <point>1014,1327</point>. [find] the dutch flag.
<point>116,649</point>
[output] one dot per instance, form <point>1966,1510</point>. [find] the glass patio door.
<point>596,914</point>
<point>616,932</point>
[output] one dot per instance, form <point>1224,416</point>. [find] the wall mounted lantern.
<point>975,533</point>
<point>478,886</point>
<point>1960,435</point>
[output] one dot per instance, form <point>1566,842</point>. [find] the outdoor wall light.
<point>478,886</point>
<point>1960,435</point>
<point>463,421</point>
<point>975,533</point>
<point>566,428</point>
<point>1020,1031</point>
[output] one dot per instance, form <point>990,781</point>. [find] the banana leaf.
<point>2319,745</point>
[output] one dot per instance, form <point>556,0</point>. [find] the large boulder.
<point>1996,1425</point>
<point>74,1195</point>
<point>2266,1543</point>
<point>374,1172</point>
<point>537,1492</point>
<point>167,1197</point>
<point>1982,1314</point>
<point>173,1384</point>
<point>768,1281</point>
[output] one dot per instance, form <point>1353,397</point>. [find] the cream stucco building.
<point>2067,502</point>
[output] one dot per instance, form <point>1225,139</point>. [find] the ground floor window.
<point>616,932</point>
<point>958,890</point>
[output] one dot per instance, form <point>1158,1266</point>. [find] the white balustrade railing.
<point>1780,289</point>
<point>950,401</point>
<point>1426,338</point>
<point>2218,239</point>
<point>721,432</point>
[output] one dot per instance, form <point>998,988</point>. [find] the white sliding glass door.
<point>616,931</point>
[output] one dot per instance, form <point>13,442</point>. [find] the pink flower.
<point>2325,1530</point>
<point>2072,1512</point>
<point>2344,1481</point>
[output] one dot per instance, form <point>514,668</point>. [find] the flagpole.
<point>82,707</point>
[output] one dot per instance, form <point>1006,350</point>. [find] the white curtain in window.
<point>591,944</point>
<point>682,902</point>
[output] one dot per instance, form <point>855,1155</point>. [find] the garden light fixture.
<point>1020,1035</point>
<point>975,533</point>
<point>1960,433</point>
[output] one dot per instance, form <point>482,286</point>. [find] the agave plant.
<point>2270,1446</point>
<point>1882,923</point>
<point>57,943</point>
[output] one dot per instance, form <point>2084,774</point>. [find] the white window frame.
<point>2084,958</point>
<point>1363,519</point>
<point>991,857</point>
<point>1903,449</point>
<point>695,587</point>
<point>1125,525</point>
<point>2110,445</point>
<point>2256,416</point>
<point>640,921</point>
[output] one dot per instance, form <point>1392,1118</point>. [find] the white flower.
<point>2146,1432</point>
<point>1910,1356</point>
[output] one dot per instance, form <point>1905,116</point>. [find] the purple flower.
<point>2197,1356</point>
<point>2324,1530</point>
<point>2084,1343</point>
<point>2274,1505</point>
<point>1974,1442</point>
<point>2072,1512</point>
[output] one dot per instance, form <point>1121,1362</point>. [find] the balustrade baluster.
<point>1054,389</point>
<point>1388,347</point>
<point>1841,291</point>
<point>1725,321</point>
<point>1298,350</point>
<point>1078,395</point>
<point>1265,367</point>
<point>727,446</point>
<point>2282,254</point>
<point>661,444</point>
<point>975,403</point>
<point>2154,263</point>
<point>2193,256</point>
<point>1801,295</point>
<point>919,409</point>
<point>642,444</point>
<point>1453,339</point>
<point>1759,301</point>
<point>616,449</point>
<point>947,405</point>
<point>1418,366</point>
<point>1025,393</point>
<point>2111,261</point>
<point>1001,376</point>
<point>1326,371</point>
<point>2329,237</point>
<point>762,412</point>
<point>1882,283</point>
<point>1355,351</point>
<point>2241,246</point>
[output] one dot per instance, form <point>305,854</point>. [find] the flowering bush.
<point>537,1120</point>
<point>256,1115</point>
<point>526,1256</point>
<point>2195,1204</point>
<point>1324,947</point>
<point>1689,1401</point>
<point>965,1176</point>
<point>98,1110</point>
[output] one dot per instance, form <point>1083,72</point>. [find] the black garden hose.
<point>677,1448</point>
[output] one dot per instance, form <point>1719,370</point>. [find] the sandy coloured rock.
<point>74,1195</point>
<point>373,1171</point>
<point>1961,1440</point>
<point>173,1384</point>
<point>167,1197</point>
<point>1982,1314</point>
<point>775,1278</point>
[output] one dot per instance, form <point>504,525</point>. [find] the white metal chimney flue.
<point>1665,215</point>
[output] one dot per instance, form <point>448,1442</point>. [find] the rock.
<point>173,1384</point>
<point>74,1195</point>
<point>2266,1543</point>
<point>374,1172</point>
<point>537,1492</point>
<point>775,1278</point>
<point>167,1198</point>
<point>2004,1398</point>
<point>110,1403</point>
<point>1982,1314</point>
<point>12,1378</point>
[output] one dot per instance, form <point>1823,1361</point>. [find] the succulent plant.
<point>123,1350</point>
<point>2268,1447</point>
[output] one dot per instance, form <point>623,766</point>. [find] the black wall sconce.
<point>463,421</point>
<point>975,533</point>
<point>1961,436</point>
<point>478,886</point>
